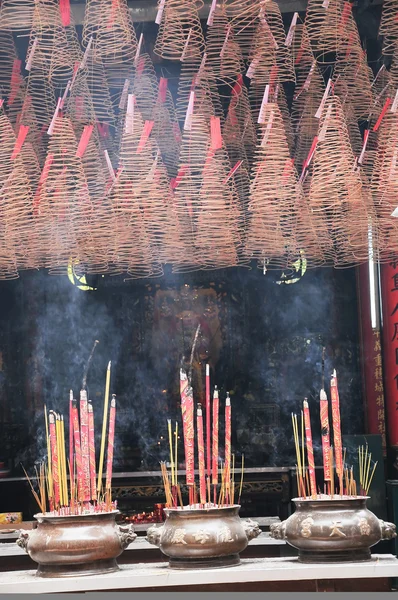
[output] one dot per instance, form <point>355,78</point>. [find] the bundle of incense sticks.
<point>334,458</point>
<point>200,496</point>
<point>70,486</point>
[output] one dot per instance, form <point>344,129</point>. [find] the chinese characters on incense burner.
<point>337,475</point>
<point>209,492</point>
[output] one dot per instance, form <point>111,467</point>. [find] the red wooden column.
<point>371,350</point>
<point>389,300</point>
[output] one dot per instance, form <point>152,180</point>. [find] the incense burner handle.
<point>278,530</point>
<point>23,540</point>
<point>154,534</point>
<point>126,535</point>
<point>388,530</point>
<point>252,529</point>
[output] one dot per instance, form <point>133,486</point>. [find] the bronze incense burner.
<point>339,529</point>
<point>195,538</point>
<point>65,546</point>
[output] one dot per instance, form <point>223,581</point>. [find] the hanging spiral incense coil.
<point>107,22</point>
<point>40,96</point>
<point>73,43</point>
<point>324,26</point>
<point>272,194</point>
<point>198,77</point>
<point>8,56</point>
<point>17,15</point>
<point>223,53</point>
<point>79,106</point>
<point>270,16</point>
<point>336,188</point>
<point>217,237</point>
<point>384,187</point>
<point>244,20</point>
<point>389,26</point>
<point>98,88</point>
<point>180,35</point>
<point>62,204</point>
<point>15,208</point>
<point>310,232</point>
<point>51,44</point>
<point>166,130</point>
<point>145,86</point>
<point>353,82</point>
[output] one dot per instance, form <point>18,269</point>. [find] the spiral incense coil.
<point>73,43</point>
<point>200,78</point>
<point>107,22</point>
<point>166,131</point>
<point>62,203</point>
<point>270,16</point>
<point>240,108</point>
<point>180,35</point>
<point>262,57</point>
<point>223,53</point>
<point>344,203</point>
<point>244,17</point>
<point>16,206</point>
<point>31,164</point>
<point>36,138</point>
<point>384,185</point>
<point>8,55</point>
<point>389,26</point>
<point>256,95</point>
<point>324,26</point>
<point>310,231</point>
<point>272,193</point>
<point>217,235</point>
<point>17,15</point>
<point>98,88</point>
<point>353,129</point>
<point>145,86</point>
<point>93,162</point>
<point>79,106</point>
<point>302,52</point>
<point>353,82</point>
<point>40,96</point>
<point>51,47</point>
<point>131,251</point>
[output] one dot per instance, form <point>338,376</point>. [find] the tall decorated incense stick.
<point>63,454</point>
<point>171,452</point>
<point>188,429</point>
<point>208,418</point>
<point>111,443</point>
<point>201,455</point>
<point>338,445</point>
<point>310,449</point>
<point>175,454</point>
<point>324,415</point>
<point>71,436</point>
<point>214,478</point>
<point>49,469</point>
<point>78,452</point>
<point>54,457</point>
<point>104,423</point>
<point>91,448</point>
<point>228,445</point>
<point>84,445</point>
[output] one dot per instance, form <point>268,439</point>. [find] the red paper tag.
<point>346,13</point>
<point>84,140</point>
<point>146,132</point>
<point>43,177</point>
<point>103,129</point>
<point>22,133</point>
<point>176,180</point>
<point>216,138</point>
<point>162,89</point>
<point>232,116</point>
<point>233,171</point>
<point>383,112</point>
<point>311,152</point>
<point>141,65</point>
<point>64,7</point>
<point>299,55</point>
<point>177,132</point>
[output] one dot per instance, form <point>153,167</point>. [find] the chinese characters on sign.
<point>379,386</point>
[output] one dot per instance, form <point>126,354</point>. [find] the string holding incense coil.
<point>17,15</point>
<point>180,35</point>
<point>272,194</point>
<point>222,51</point>
<point>107,22</point>
<point>49,36</point>
<point>389,26</point>
<point>345,206</point>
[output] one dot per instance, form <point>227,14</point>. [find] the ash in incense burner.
<point>195,537</point>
